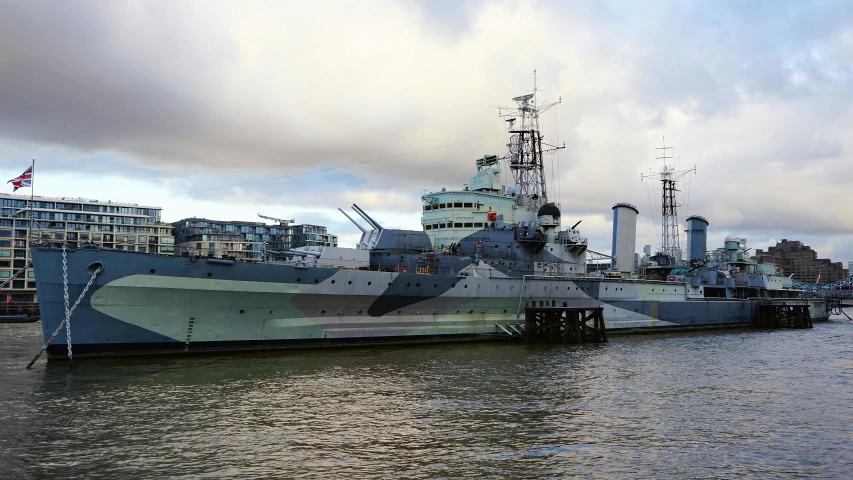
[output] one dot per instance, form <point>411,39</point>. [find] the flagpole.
<point>32,217</point>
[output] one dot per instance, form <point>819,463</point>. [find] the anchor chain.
<point>66,322</point>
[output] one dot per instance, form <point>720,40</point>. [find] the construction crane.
<point>281,221</point>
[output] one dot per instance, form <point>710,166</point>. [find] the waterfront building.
<point>247,241</point>
<point>76,221</point>
<point>793,258</point>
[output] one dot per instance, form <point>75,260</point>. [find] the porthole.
<point>270,312</point>
<point>504,311</point>
<point>399,312</point>
<point>466,286</point>
<point>417,284</point>
<point>209,274</point>
<point>242,312</point>
<point>322,311</point>
<point>349,282</point>
<point>152,270</point>
<point>436,285</point>
<point>389,284</point>
<point>316,280</point>
<point>359,312</point>
<point>333,282</point>
<point>369,283</point>
<point>298,280</point>
<point>408,285</point>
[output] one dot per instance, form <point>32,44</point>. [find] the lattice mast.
<point>526,146</point>
<point>670,239</point>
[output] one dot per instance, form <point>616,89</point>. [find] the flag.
<point>25,180</point>
<point>818,277</point>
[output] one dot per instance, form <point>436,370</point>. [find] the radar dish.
<point>514,144</point>
<point>523,98</point>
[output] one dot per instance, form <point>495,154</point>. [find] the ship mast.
<point>526,147</point>
<point>670,242</point>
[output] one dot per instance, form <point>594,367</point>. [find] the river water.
<point>729,404</point>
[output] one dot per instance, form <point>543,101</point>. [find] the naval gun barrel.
<point>373,223</point>
<point>363,230</point>
<point>575,225</point>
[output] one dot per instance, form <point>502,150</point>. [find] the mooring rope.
<point>16,274</point>
<point>66,322</point>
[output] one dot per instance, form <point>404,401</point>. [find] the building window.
<point>31,274</point>
<point>5,274</point>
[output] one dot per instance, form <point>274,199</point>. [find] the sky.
<point>227,110</point>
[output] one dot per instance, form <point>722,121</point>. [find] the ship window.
<point>435,225</point>
<point>469,205</point>
<point>427,207</point>
<point>457,225</point>
<point>428,227</point>
<point>469,225</point>
<point>442,225</point>
<point>457,205</point>
<point>441,205</point>
<point>478,224</point>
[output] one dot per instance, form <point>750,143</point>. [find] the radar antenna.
<point>526,146</point>
<point>670,241</point>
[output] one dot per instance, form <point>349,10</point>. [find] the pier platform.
<point>564,324</point>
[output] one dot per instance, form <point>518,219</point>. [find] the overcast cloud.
<point>149,101</point>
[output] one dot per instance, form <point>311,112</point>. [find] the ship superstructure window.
<point>441,205</point>
<point>428,227</point>
<point>457,205</point>
<point>457,225</point>
<point>442,225</point>
<point>427,207</point>
<point>435,225</point>
<point>478,224</point>
<point>469,225</point>
<point>469,205</point>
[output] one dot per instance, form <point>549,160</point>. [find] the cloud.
<point>384,99</point>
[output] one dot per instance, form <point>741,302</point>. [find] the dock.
<point>783,315</point>
<point>564,324</point>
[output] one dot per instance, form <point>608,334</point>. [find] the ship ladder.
<point>66,322</point>
<point>431,263</point>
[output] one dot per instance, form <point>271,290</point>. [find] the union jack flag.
<point>25,180</point>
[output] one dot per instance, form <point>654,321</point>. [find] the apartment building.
<point>76,221</point>
<point>246,241</point>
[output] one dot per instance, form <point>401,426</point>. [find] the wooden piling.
<point>564,324</point>
<point>774,315</point>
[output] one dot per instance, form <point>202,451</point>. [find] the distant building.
<point>793,258</point>
<point>75,221</point>
<point>248,241</point>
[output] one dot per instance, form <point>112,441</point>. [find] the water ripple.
<point>749,404</point>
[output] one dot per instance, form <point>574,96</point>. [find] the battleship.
<point>484,254</point>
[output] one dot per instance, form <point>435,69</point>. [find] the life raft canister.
<point>492,216</point>
<point>672,278</point>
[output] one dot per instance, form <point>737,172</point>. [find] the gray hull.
<point>159,304</point>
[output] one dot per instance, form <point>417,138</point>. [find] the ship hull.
<point>143,303</point>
